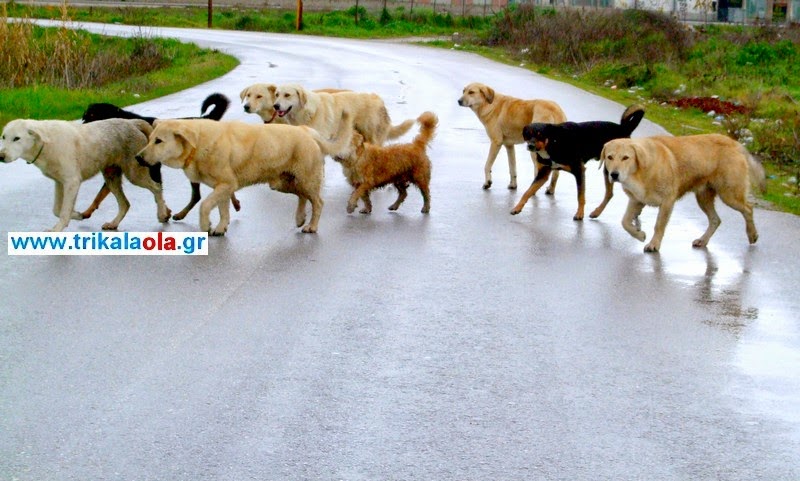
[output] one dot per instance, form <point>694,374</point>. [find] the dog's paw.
<point>309,230</point>
<point>425,210</point>
<point>487,185</point>
<point>577,217</point>
<point>164,218</point>
<point>652,247</point>
<point>699,243</point>
<point>179,216</point>
<point>77,215</point>
<point>351,208</point>
<point>218,232</point>
<point>110,226</point>
<point>366,211</point>
<point>512,186</point>
<point>516,210</point>
<point>595,214</point>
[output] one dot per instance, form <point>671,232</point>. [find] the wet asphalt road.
<point>467,344</point>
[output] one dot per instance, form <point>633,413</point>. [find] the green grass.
<point>189,65</point>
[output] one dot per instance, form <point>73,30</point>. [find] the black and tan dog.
<point>568,146</point>
<point>218,104</point>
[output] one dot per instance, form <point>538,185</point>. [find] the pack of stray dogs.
<point>300,127</point>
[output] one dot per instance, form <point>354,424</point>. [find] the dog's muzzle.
<point>460,102</point>
<point>140,161</point>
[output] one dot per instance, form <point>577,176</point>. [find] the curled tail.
<point>341,142</point>
<point>631,118</point>
<point>427,129</point>
<point>220,104</point>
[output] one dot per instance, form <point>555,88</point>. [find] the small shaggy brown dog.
<point>368,167</point>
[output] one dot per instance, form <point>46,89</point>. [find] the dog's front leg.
<point>630,221</point>
<point>359,192</point>
<point>512,166</point>
<point>608,195</point>
<point>221,193</point>
<point>538,182</point>
<point>494,149</point>
<point>65,196</point>
<point>664,213</point>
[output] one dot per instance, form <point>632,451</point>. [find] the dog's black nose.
<point>460,102</point>
<point>3,158</point>
<point>247,108</point>
<point>614,175</point>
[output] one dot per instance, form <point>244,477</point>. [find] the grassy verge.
<point>93,68</point>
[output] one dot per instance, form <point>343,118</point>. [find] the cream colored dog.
<point>322,111</point>
<point>228,156</point>
<point>69,153</point>
<point>260,99</point>
<point>657,171</point>
<point>504,117</point>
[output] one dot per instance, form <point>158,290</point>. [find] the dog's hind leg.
<point>512,166</point>
<point>114,184</point>
<point>192,202</point>
<point>402,193</point>
<point>538,182</point>
<point>608,195</point>
<point>580,181</point>
<point>101,195</point>
<point>736,198</point>
<point>705,199</point>
<point>425,190</point>
<point>139,177</point>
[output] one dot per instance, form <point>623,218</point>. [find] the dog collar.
<point>188,160</point>
<point>37,155</point>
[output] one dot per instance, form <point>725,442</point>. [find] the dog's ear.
<point>189,136</point>
<point>488,93</point>
<point>640,159</point>
<point>244,93</point>
<point>38,134</point>
<point>272,89</point>
<point>302,96</point>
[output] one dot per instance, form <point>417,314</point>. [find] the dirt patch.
<point>709,104</point>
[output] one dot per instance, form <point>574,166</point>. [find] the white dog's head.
<point>475,95</point>
<point>622,158</point>
<point>171,143</point>
<point>259,99</point>
<point>289,97</point>
<point>21,139</point>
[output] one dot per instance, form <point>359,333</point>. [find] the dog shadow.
<point>720,288</point>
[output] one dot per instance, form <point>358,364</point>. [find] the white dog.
<point>322,111</point>
<point>69,153</point>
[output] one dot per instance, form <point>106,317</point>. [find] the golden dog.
<point>657,171</point>
<point>260,99</point>
<point>504,117</point>
<point>230,155</point>
<point>322,111</point>
<point>368,167</point>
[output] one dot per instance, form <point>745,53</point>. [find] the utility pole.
<point>299,15</point>
<point>210,11</point>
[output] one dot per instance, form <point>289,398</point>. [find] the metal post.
<point>210,11</point>
<point>299,15</point>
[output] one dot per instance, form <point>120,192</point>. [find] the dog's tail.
<point>631,118</point>
<point>341,142</point>
<point>143,126</point>
<point>400,129</point>
<point>220,104</point>
<point>757,175</point>
<point>427,129</point>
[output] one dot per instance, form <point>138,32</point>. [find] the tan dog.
<point>260,99</point>
<point>368,167</point>
<point>69,153</point>
<point>504,117</point>
<point>230,155</point>
<point>322,111</point>
<point>657,171</point>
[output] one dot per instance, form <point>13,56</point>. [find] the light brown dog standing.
<point>368,167</point>
<point>230,155</point>
<point>504,117</point>
<point>657,171</point>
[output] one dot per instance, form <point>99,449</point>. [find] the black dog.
<point>101,111</point>
<point>569,146</point>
